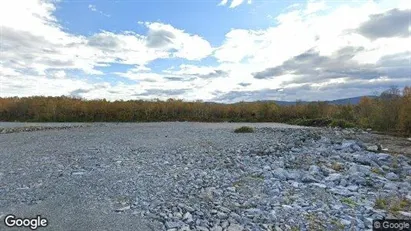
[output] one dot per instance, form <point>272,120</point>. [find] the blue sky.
<point>204,17</point>
<point>224,51</point>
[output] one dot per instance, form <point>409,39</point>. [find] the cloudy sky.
<point>211,50</point>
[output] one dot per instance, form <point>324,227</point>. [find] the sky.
<point>211,50</point>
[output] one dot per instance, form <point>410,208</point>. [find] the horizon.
<point>214,51</point>
<point>188,101</point>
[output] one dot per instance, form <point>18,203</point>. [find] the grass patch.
<point>381,203</point>
<point>377,171</point>
<point>323,122</point>
<point>319,122</point>
<point>337,166</point>
<point>314,222</point>
<point>337,224</point>
<point>238,184</point>
<point>341,124</point>
<point>349,202</point>
<point>393,204</point>
<point>244,129</point>
<point>394,163</point>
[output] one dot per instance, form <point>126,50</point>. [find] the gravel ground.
<point>199,176</point>
<point>23,124</point>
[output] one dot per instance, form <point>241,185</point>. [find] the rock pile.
<point>292,179</point>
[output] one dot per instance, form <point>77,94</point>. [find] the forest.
<point>390,112</point>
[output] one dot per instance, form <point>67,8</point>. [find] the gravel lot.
<point>22,124</point>
<point>198,176</point>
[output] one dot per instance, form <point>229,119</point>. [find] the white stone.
<point>407,214</point>
<point>235,227</point>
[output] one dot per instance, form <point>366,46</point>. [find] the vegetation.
<point>393,204</point>
<point>324,122</point>
<point>377,171</point>
<point>381,203</point>
<point>350,202</point>
<point>337,166</point>
<point>391,112</point>
<point>244,129</point>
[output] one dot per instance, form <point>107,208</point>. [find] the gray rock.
<point>347,144</point>
<point>293,175</point>
<point>315,170</point>
<point>225,224</point>
<point>280,174</point>
<point>222,215</point>
<point>216,228</point>
<point>235,216</point>
<point>173,225</point>
<point>295,184</point>
<point>231,189</point>
<point>77,173</point>
<point>391,176</point>
<point>342,192</point>
<point>185,228</point>
<point>319,185</point>
<point>360,168</point>
<point>356,147</point>
<point>357,178</point>
<point>333,177</point>
<point>372,148</point>
<point>391,186</point>
<point>353,188</point>
<point>288,207</point>
<point>201,228</point>
<point>308,179</point>
<point>122,209</point>
<point>405,214</point>
<point>235,227</point>
<point>365,160</point>
<point>368,223</point>
<point>188,218</point>
<point>253,212</point>
<point>345,222</point>
<point>343,182</point>
<point>383,157</point>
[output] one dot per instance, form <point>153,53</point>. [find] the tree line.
<point>390,112</point>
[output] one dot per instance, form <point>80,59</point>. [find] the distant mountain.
<point>346,101</point>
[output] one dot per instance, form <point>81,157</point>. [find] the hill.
<point>345,101</point>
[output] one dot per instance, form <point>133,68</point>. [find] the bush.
<point>244,129</point>
<point>390,112</point>
<point>319,122</point>
<point>323,122</point>
<point>341,124</point>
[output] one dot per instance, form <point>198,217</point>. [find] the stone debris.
<point>201,178</point>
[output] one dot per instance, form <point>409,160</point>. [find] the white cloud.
<point>29,85</point>
<point>298,32</point>
<point>223,2</point>
<point>94,9</point>
<point>26,49</point>
<point>38,54</point>
<point>234,3</point>
<point>33,64</point>
<point>188,46</point>
<point>315,6</point>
